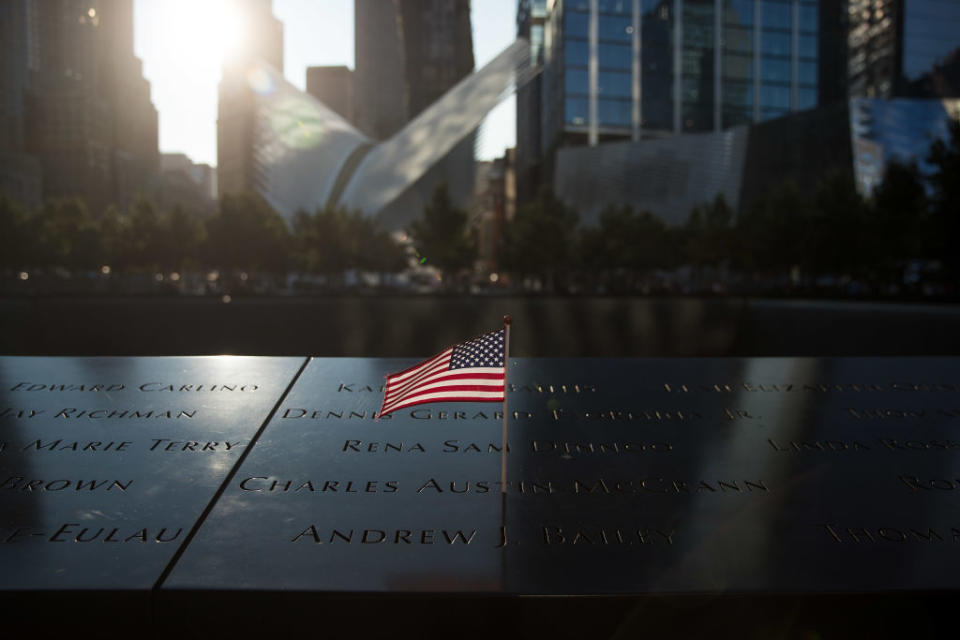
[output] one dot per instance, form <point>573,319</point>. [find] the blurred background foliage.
<point>831,233</point>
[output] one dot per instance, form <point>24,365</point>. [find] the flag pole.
<point>503,439</point>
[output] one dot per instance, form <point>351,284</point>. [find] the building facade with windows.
<point>408,53</point>
<point>76,116</point>
<point>698,98</point>
<point>903,48</point>
<point>632,69</point>
<point>238,168</point>
<point>333,86</point>
<point>531,17</point>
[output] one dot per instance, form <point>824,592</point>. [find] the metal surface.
<point>106,463</point>
<point>713,476</point>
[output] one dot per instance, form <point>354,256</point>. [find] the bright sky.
<point>180,43</point>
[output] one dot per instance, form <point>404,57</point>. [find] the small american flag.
<point>471,371</point>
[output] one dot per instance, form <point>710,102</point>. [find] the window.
<point>577,24</point>
<point>776,70</point>
<point>696,61</point>
<point>575,111</point>
<point>738,12</point>
<point>651,7</point>
<point>616,6</point>
<point>576,81</point>
<point>777,15</point>
<point>808,73</point>
<point>615,56</point>
<point>775,43</point>
<point>697,36</point>
<point>775,96</point>
<point>616,28</point>
<point>615,83</point>
<point>698,10</point>
<point>614,113</point>
<point>809,18</point>
<point>808,46</point>
<point>576,52</point>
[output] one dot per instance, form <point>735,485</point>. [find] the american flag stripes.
<point>471,371</point>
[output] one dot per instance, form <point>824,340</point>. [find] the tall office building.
<point>438,48</point>
<point>628,69</point>
<point>18,46</point>
<point>408,53</point>
<point>186,184</point>
<point>902,47</point>
<point>333,86</point>
<point>875,47</point>
<point>67,119</point>
<point>262,41</point>
<point>380,72</point>
<point>832,74</point>
<point>643,71</point>
<point>531,18</point>
<point>20,174</point>
<point>134,131</point>
<point>87,110</point>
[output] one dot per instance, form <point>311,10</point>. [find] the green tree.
<point>625,245</point>
<point>116,234</point>
<point>442,235</point>
<point>67,235</point>
<point>542,240</point>
<point>17,249</point>
<point>321,242</point>
<point>898,219</point>
<point>144,237</point>
<point>944,230</point>
<point>708,233</point>
<point>377,251</point>
<point>772,233</point>
<point>333,240</point>
<point>183,235</point>
<point>246,233</point>
<point>653,248</point>
<point>838,239</point>
<point>145,242</point>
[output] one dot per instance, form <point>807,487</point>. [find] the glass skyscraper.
<point>903,48</point>
<point>642,68</point>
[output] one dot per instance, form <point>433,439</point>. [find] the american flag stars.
<point>485,351</point>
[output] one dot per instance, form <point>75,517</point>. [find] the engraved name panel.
<point>624,476</point>
<point>106,463</point>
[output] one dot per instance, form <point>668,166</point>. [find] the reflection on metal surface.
<point>718,476</point>
<point>113,459</point>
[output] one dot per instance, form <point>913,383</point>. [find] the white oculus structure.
<point>308,156</point>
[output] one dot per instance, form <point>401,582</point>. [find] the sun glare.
<point>198,33</point>
<point>184,44</point>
